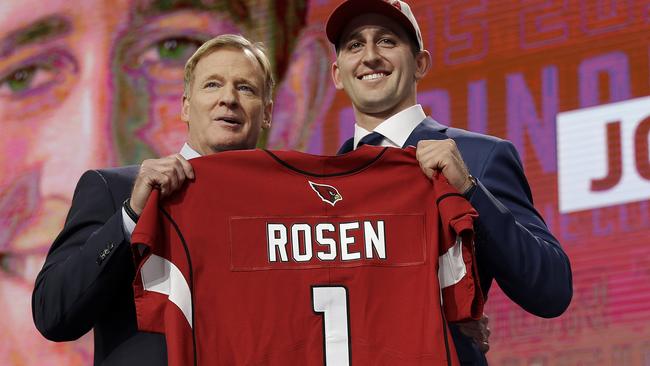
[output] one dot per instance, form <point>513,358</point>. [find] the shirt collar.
<point>188,153</point>
<point>395,129</point>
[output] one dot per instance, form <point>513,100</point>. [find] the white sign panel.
<point>603,155</point>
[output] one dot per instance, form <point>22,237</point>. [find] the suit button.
<point>104,253</point>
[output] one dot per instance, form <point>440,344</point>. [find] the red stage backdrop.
<point>95,83</point>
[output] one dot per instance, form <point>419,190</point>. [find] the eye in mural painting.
<point>21,79</point>
<point>162,61</point>
<point>35,84</point>
<point>31,77</point>
<point>174,50</point>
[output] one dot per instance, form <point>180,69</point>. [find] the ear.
<point>268,115</point>
<point>185,110</point>
<point>336,77</point>
<point>422,64</point>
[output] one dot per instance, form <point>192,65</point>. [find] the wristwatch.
<point>129,211</point>
<point>469,191</point>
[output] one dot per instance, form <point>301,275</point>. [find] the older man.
<point>86,280</point>
<point>96,83</point>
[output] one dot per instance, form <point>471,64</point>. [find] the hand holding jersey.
<point>165,174</point>
<point>443,156</point>
<point>477,330</point>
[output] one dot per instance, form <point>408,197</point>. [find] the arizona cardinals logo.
<point>394,3</point>
<point>327,193</point>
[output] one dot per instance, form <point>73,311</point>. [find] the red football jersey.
<point>284,258</point>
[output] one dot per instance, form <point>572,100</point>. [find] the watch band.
<point>129,211</point>
<point>468,193</point>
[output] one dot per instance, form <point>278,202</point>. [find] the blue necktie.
<point>373,138</point>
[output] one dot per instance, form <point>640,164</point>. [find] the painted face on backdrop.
<point>84,84</point>
<point>376,66</point>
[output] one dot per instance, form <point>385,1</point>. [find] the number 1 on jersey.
<point>332,303</point>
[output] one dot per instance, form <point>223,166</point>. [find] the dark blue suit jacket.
<point>513,244</point>
<point>86,281</point>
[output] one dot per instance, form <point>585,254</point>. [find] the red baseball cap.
<point>397,10</point>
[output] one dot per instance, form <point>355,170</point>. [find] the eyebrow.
<point>237,80</point>
<point>44,29</point>
<point>238,10</point>
<point>356,35</point>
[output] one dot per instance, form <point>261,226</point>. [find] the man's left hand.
<point>443,155</point>
<point>479,331</point>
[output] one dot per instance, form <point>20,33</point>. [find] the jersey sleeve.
<point>162,286</point>
<point>458,275</point>
<point>149,305</point>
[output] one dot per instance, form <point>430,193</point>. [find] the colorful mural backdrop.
<point>96,83</point>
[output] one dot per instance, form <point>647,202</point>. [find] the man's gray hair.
<point>234,41</point>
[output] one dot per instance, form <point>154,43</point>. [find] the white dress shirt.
<point>396,129</point>
<point>128,225</point>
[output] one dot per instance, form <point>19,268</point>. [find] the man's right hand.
<point>166,174</point>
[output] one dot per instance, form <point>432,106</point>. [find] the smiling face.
<point>225,108</point>
<point>376,66</point>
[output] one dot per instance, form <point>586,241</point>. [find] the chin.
<point>230,146</point>
<point>375,106</point>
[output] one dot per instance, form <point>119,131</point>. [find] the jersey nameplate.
<point>266,243</point>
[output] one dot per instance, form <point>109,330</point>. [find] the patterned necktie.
<point>373,138</point>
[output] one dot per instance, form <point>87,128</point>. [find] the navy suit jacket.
<point>513,244</point>
<point>86,281</point>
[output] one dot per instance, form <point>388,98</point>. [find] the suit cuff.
<point>128,225</point>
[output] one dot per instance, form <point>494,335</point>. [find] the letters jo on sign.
<point>603,157</point>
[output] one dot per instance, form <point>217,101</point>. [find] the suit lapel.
<point>428,129</point>
<point>347,146</point>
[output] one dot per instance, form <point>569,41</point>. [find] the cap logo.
<point>395,3</point>
<point>326,192</point>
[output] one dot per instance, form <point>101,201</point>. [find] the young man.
<point>380,59</point>
<point>86,281</point>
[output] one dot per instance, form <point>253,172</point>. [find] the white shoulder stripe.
<point>162,276</point>
<point>452,267</point>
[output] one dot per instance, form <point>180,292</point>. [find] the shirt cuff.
<point>127,224</point>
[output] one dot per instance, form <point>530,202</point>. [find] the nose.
<point>86,137</point>
<point>370,54</point>
<point>96,115</point>
<point>77,135</point>
<point>228,96</point>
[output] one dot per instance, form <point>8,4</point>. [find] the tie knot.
<point>373,138</point>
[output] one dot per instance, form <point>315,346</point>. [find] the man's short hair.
<point>233,41</point>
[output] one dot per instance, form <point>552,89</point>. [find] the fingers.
<point>479,331</point>
<point>484,329</point>
<point>443,155</point>
<point>484,346</point>
<point>186,166</point>
<point>167,174</point>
